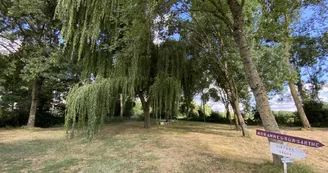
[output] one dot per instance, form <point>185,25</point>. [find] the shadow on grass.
<point>207,162</point>
<point>181,127</point>
<point>204,130</point>
<point>18,156</point>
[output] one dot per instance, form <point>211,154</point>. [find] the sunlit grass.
<point>128,147</point>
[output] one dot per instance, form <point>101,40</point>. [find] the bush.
<point>317,113</point>
<point>20,118</point>
<point>13,118</point>
<point>286,118</point>
<point>283,118</point>
<point>46,120</point>
<point>255,119</point>
<point>217,118</point>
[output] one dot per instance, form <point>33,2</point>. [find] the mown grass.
<point>127,147</point>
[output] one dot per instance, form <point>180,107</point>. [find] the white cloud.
<point>283,106</point>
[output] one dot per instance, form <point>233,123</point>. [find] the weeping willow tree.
<point>89,104</point>
<point>114,41</point>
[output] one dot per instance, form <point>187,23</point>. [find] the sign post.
<point>286,151</point>
<point>290,139</point>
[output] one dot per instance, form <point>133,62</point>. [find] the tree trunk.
<point>301,90</point>
<point>166,116</point>
<point>35,99</point>
<point>291,85</point>
<point>147,118</point>
<point>253,77</point>
<point>300,87</point>
<point>121,105</point>
<point>236,122</point>
<point>228,115</point>
<point>203,103</point>
<point>235,105</point>
<point>299,106</point>
<point>188,113</point>
<point>146,107</point>
<point>293,91</point>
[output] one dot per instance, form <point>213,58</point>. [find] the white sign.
<point>286,160</point>
<point>287,151</point>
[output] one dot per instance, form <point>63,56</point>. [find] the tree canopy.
<point>93,56</point>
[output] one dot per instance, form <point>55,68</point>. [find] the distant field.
<point>127,147</point>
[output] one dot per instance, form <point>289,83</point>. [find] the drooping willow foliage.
<point>167,89</point>
<point>84,20</point>
<point>89,105</point>
<point>114,41</point>
<point>166,93</point>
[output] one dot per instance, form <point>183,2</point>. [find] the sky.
<point>313,28</point>
<point>8,46</point>
<point>275,102</point>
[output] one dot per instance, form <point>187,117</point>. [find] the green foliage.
<point>122,35</point>
<point>19,118</point>
<point>89,104</point>
<point>317,113</point>
<point>271,65</point>
<point>30,26</point>
<point>217,117</point>
<point>137,112</point>
<point>283,118</point>
<point>166,93</point>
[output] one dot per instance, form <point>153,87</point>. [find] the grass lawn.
<point>128,147</point>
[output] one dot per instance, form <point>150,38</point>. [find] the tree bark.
<point>299,106</point>
<point>121,106</point>
<point>297,101</point>
<point>291,85</point>
<point>253,77</point>
<point>228,115</point>
<point>36,90</point>
<point>203,107</point>
<point>237,127</point>
<point>238,114</point>
<point>146,107</point>
<point>188,113</point>
<point>301,90</point>
<point>147,117</point>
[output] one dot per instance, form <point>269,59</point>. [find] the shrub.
<point>13,118</point>
<point>317,113</point>
<point>286,118</point>
<point>283,118</point>
<point>217,117</point>
<point>20,118</point>
<point>46,120</point>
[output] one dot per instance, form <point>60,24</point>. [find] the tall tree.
<point>139,67</point>
<point>281,15</point>
<point>33,24</point>
<point>210,39</point>
<point>232,13</point>
<point>309,53</point>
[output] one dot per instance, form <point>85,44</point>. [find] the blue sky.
<point>314,27</point>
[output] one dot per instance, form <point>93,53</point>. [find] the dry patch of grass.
<point>128,147</point>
